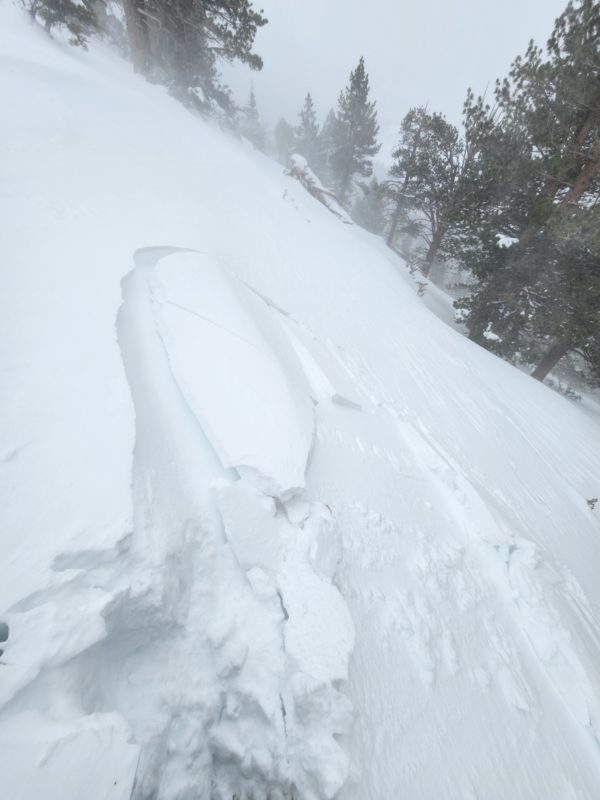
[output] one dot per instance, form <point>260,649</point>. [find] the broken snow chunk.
<point>319,634</point>
<point>236,370</point>
<point>257,537</point>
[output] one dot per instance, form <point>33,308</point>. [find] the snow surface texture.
<point>280,530</point>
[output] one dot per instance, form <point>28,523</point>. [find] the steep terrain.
<point>269,527</point>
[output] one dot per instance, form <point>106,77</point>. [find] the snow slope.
<point>269,527</point>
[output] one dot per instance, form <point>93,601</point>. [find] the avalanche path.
<point>281,532</point>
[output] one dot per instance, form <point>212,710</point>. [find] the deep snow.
<point>268,525</point>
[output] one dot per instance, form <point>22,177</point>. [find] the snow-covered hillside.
<point>269,527</point>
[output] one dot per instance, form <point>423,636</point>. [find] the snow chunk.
<point>319,633</point>
<point>505,241</point>
<point>236,370</point>
<point>490,335</point>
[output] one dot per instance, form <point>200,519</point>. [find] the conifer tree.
<point>396,187</point>
<point>179,42</point>
<point>77,16</point>
<point>308,142</point>
<point>427,164</point>
<point>251,126</point>
<point>353,134</point>
<point>431,181</point>
<point>537,297</point>
<point>567,317</point>
<point>542,298</point>
<point>555,100</point>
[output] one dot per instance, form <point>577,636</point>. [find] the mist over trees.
<point>77,16</point>
<point>175,42</point>
<point>181,42</point>
<point>342,150</point>
<point>250,125</point>
<point>511,196</point>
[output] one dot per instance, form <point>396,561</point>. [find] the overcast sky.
<point>421,52</point>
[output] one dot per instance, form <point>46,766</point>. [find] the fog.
<point>427,52</point>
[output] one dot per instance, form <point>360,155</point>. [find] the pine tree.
<point>567,317</point>
<point>251,126</point>
<point>308,142</point>
<point>353,134</point>
<point>430,182</point>
<point>538,295</point>
<point>556,102</point>
<point>542,298</point>
<point>179,42</point>
<point>401,173</point>
<point>77,16</point>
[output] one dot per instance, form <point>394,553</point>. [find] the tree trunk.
<point>433,249</point>
<point>585,177</point>
<point>550,360</point>
<point>593,117</point>
<point>137,34</point>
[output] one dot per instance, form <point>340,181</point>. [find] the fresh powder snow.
<point>270,527</point>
